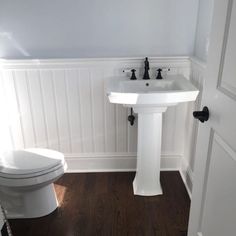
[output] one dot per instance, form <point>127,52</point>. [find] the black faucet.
<point>146,69</point>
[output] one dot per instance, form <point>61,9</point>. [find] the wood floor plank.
<point>104,204</point>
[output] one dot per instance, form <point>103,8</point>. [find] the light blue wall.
<point>203,29</point>
<point>96,28</point>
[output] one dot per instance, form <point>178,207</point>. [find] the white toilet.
<point>26,181</point>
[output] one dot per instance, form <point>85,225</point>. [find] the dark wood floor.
<point>104,204</point>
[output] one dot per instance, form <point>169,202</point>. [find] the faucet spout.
<point>146,69</point>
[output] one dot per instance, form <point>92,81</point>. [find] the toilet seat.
<point>31,175</point>
<point>30,167</point>
<point>29,163</point>
<point>26,181</point>
<point>33,180</point>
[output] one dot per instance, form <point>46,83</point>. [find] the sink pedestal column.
<point>147,178</point>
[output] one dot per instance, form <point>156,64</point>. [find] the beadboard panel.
<point>187,164</point>
<point>62,105</point>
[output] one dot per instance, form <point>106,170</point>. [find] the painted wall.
<point>97,28</point>
<point>203,29</point>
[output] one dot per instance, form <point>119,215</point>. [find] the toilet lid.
<point>29,161</point>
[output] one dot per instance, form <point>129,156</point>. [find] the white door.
<point>213,209</point>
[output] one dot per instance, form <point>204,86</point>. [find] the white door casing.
<point>213,208</point>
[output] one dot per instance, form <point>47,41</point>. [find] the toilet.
<point>26,181</point>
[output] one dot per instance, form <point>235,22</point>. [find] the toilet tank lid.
<point>29,160</point>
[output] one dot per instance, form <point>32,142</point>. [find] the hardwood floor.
<point>104,204</point>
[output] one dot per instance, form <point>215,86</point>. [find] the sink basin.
<point>149,99</point>
<point>166,92</point>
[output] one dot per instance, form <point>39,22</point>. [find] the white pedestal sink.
<point>149,99</point>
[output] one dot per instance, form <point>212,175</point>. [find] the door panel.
<point>219,207</point>
<point>227,82</point>
<point>213,207</point>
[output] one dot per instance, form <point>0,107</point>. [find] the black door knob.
<point>202,115</point>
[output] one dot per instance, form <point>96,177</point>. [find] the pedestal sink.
<point>149,99</point>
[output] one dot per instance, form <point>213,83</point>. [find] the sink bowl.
<point>166,92</point>
<point>149,99</point>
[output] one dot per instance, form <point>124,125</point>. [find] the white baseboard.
<point>125,162</point>
<point>114,162</point>
<point>187,176</point>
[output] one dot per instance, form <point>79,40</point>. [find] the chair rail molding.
<point>93,62</point>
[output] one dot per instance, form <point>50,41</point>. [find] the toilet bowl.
<point>26,181</point>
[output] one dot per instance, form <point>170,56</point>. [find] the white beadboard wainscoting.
<point>191,126</point>
<point>62,105</point>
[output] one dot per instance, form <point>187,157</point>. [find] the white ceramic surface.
<point>26,182</point>
<point>169,91</point>
<point>149,99</point>
<point>21,162</point>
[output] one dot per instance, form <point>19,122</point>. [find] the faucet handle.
<point>159,76</point>
<point>129,71</point>
<point>133,76</point>
<point>159,70</point>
